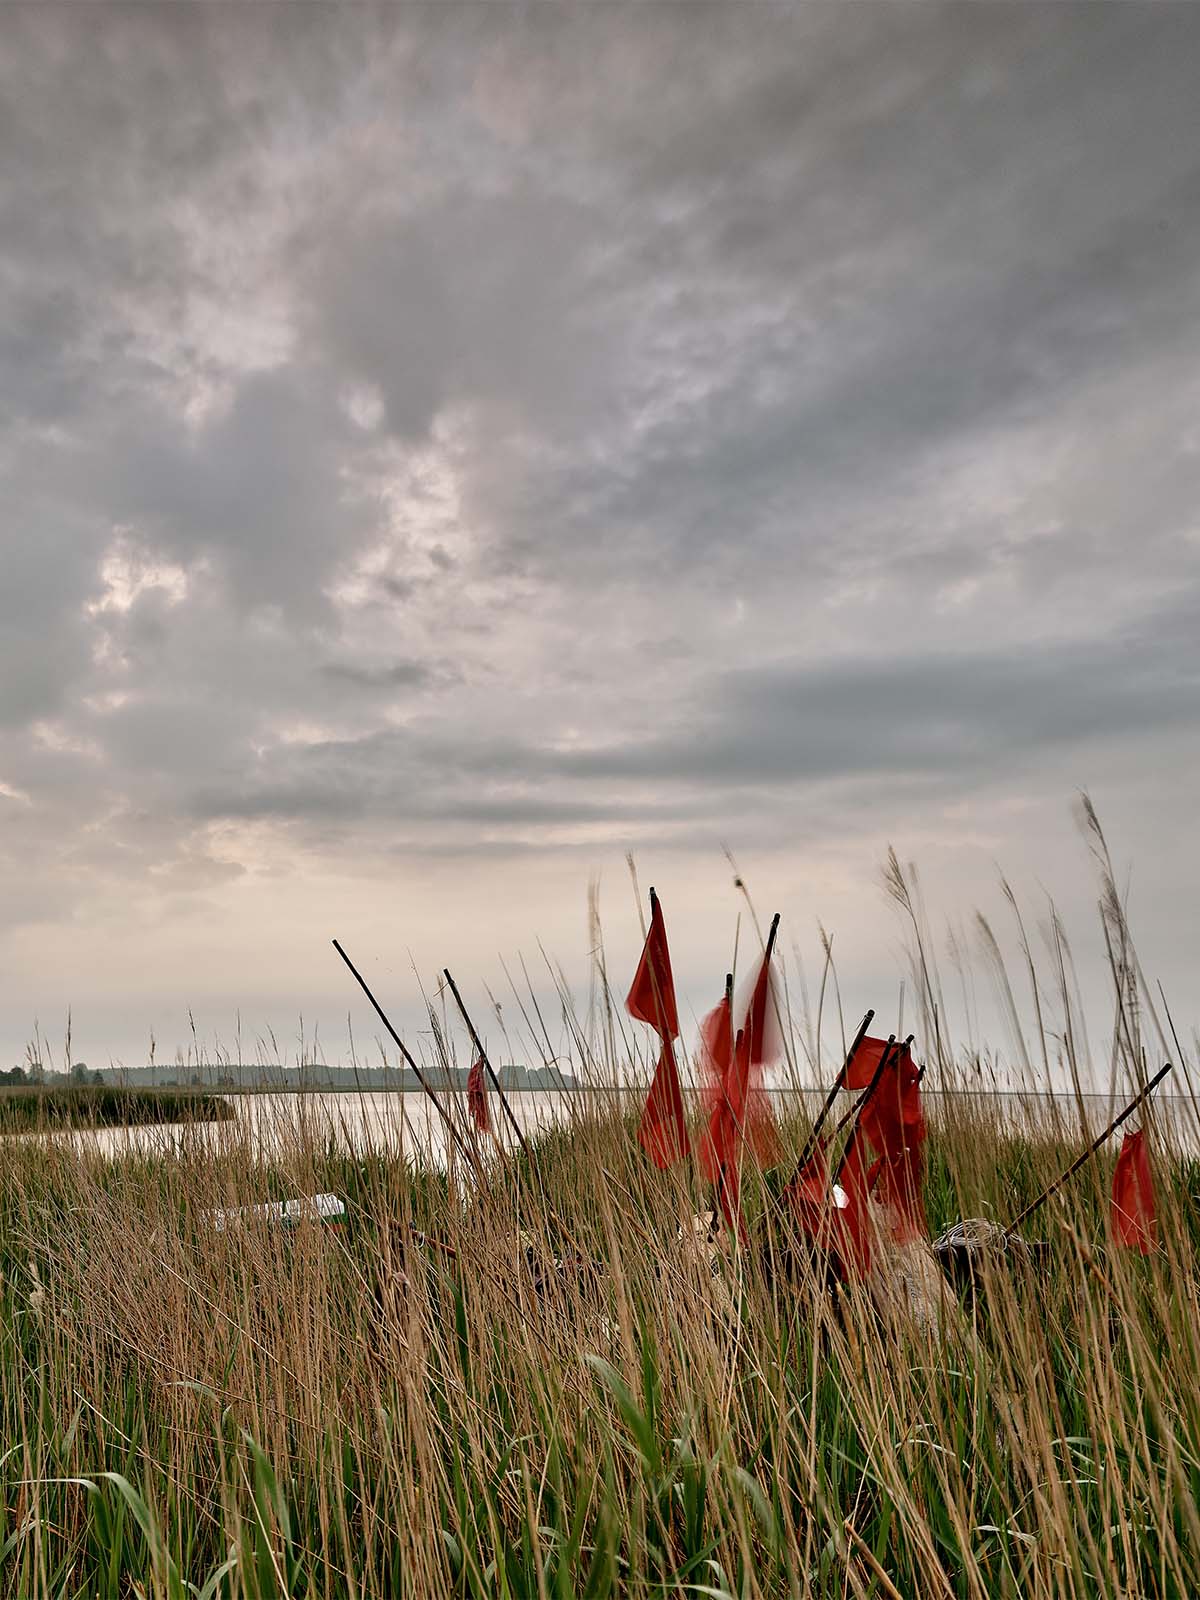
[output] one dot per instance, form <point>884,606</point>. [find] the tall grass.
<point>545,1384</point>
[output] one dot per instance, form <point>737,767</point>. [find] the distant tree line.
<point>30,1076</point>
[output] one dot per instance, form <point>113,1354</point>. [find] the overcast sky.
<point>445,448</point>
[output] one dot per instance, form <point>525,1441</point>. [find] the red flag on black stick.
<point>761,1047</point>
<point>719,1054</point>
<point>662,1132</point>
<point>894,1125</point>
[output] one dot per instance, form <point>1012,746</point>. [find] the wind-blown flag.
<point>716,1072</point>
<point>761,1046</point>
<point>651,995</point>
<point>1134,1213</point>
<point>662,1132</point>
<point>867,1055</point>
<point>739,1111</point>
<point>719,1148</point>
<point>477,1097</point>
<point>894,1125</point>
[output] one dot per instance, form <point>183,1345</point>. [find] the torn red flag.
<point>477,1097</point>
<point>1134,1212</point>
<point>894,1125</point>
<point>662,1132</point>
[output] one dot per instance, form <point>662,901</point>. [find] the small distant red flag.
<point>1134,1213</point>
<point>894,1125</point>
<point>662,1132</point>
<point>652,994</point>
<point>477,1097</point>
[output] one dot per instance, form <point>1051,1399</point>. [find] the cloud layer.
<point>444,449</point>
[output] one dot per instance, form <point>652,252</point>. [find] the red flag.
<point>662,1132</point>
<point>720,1147</point>
<point>837,1219</point>
<point>1134,1214</point>
<point>855,1216</point>
<point>477,1097</point>
<point>894,1124</point>
<point>761,1047</point>
<point>652,994</point>
<point>716,1068</point>
<point>862,1064</point>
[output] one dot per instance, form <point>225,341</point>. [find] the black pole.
<point>483,1056</point>
<point>467,1154</point>
<point>1079,1161</point>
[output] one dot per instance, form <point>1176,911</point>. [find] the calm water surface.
<point>409,1125</point>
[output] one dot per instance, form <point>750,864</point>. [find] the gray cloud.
<point>451,432</point>
<point>396,675</point>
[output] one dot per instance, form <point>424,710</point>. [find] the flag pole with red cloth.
<point>760,1029</point>
<point>662,1132</point>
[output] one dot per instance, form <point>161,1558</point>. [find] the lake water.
<point>410,1126</point>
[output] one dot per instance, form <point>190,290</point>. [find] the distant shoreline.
<point>31,1108</point>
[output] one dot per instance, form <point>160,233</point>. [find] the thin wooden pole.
<point>483,1056</point>
<point>1079,1161</point>
<point>460,1142</point>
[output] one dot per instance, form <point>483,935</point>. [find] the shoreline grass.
<point>327,1412</point>
<point>38,1108</point>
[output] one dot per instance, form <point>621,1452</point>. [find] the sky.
<point>446,448</point>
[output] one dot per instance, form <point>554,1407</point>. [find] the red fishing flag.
<point>739,1111</point>
<point>855,1214</point>
<point>662,1132</point>
<point>894,1125</point>
<point>867,1055</point>
<point>836,1217</point>
<point>716,1071</point>
<point>720,1147</point>
<point>1134,1213</point>
<point>477,1097</point>
<point>762,1046</point>
<point>651,996</point>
